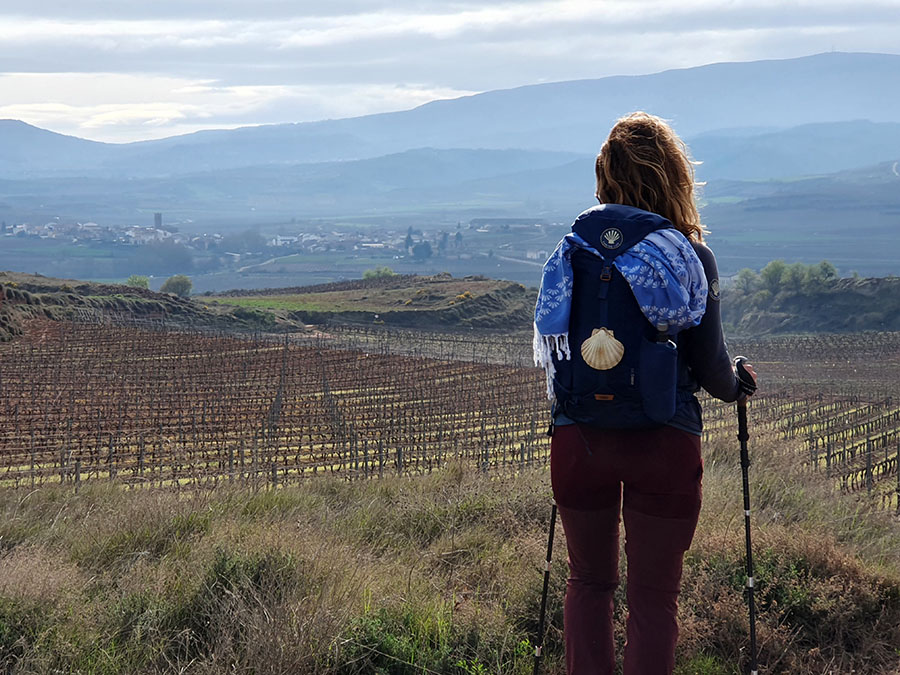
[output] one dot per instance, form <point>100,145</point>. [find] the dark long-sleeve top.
<point>704,345</point>
<point>703,359</point>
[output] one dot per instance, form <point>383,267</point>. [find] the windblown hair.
<point>644,164</point>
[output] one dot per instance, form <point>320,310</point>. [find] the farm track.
<point>170,408</point>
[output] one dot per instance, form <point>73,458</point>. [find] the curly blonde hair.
<point>644,164</point>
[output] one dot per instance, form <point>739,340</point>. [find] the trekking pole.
<point>540,634</point>
<point>748,386</point>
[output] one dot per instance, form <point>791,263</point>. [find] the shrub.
<point>378,273</point>
<point>138,281</point>
<point>179,285</point>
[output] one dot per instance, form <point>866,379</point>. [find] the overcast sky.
<point>127,70</point>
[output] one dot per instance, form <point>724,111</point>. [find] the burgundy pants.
<point>653,478</point>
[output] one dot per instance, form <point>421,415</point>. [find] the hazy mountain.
<point>849,218</point>
<point>412,181</point>
<point>877,185</point>
<point>456,183</point>
<point>28,150</point>
<point>563,116</point>
<point>799,151</point>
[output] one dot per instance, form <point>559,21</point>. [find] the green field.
<point>288,302</point>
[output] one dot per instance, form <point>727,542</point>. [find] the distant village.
<point>90,232</point>
<point>237,245</point>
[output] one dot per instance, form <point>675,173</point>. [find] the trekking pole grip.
<point>746,383</point>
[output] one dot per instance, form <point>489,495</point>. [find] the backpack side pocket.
<point>657,379</point>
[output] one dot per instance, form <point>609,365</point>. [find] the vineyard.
<point>148,406</point>
<point>157,407</point>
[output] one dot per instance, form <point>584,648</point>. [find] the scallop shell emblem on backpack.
<point>602,351</point>
<point>611,237</point>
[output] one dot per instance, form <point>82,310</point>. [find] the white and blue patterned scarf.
<point>664,273</point>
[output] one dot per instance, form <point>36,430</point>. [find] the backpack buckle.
<point>606,273</point>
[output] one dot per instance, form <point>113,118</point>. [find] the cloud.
<point>116,107</point>
<point>274,38</point>
<point>234,62</point>
<point>239,9</point>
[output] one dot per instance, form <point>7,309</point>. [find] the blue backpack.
<point>622,373</point>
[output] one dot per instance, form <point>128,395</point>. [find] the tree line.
<point>760,288</point>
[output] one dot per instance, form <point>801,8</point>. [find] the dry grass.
<point>438,573</point>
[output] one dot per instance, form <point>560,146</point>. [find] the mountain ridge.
<point>570,116</point>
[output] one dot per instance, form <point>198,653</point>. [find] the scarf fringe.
<point>544,348</point>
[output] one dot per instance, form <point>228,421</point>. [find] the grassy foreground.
<point>440,573</point>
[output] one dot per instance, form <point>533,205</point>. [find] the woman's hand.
<point>746,376</point>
